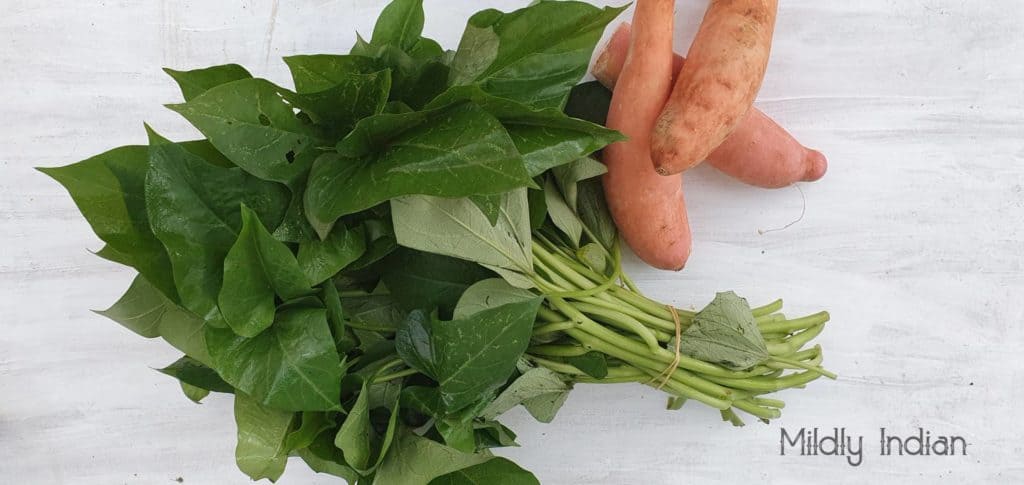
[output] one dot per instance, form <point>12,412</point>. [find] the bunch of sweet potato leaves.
<point>382,261</point>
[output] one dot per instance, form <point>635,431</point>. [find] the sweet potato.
<point>759,152</point>
<point>717,85</point>
<point>649,209</point>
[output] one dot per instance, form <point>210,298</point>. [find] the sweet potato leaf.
<point>198,81</point>
<point>193,211</point>
<point>254,124</point>
<point>321,260</point>
<point>535,54</point>
<point>725,333</point>
<point>493,471</point>
<point>429,281</point>
<point>256,269</point>
<point>293,365</point>
<point>260,451</point>
<point>468,357</point>
<point>146,311</point>
<point>457,152</point>
<point>192,372</point>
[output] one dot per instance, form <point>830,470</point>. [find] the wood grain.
<point>914,242</point>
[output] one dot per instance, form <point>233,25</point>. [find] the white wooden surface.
<point>913,241</point>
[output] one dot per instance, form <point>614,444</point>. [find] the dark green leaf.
<point>400,24</point>
<point>109,189</point>
<point>492,434</point>
<point>320,72</point>
<point>492,472</point>
<point>589,101</point>
<point>379,242</point>
<point>593,363</point>
<point>343,340</point>
<point>193,209</point>
<point>471,356</point>
<point>293,365</point>
<point>378,313</point>
<point>535,54</point>
<point>254,124</point>
<point>357,439</point>
<point>461,151</point>
<point>294,227</point>
<point>353,437</point>
<point>338,108</point>
<point>313,424</point>
<point>321,260</point>
<point>198,81</point>
<point>725,333</point>
<point>489,205</point>
<point>257,268</point>
<point>429,281</point>
<point>538,208</point>
<point>415,460</point>
<point>546,138</point>
<point>146,311</point>
<point>260,452</point>
<point>193,372</point>
<point>323,457</point>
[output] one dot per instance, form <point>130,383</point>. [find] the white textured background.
<point>913,241</point>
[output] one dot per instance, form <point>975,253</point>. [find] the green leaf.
<point>429,281</point>
<point>561,214</point>
<point>541,391</point>
<point>343,340</point>
<point>198,81</point>
<point>257,268</point>
<point>488,294</point>
<point>546,138</point>
<point>538,208</point>
<point>379,313</point>
<point>194,373</point>
<point>534,55</point>
<point>489,205</point>
<point>400,24</point>
<point>471,356</point>
<point>294,227</point>
<point>457,228</point>
<point>313,424</point>
<point>725,333</point>
<point>253,123</point>
<point>353,437</point>
<point>379,242</point>
<point>260,452</point>
<point>492,472</point>
<point>339,107</point>
<point>415,460</point>
<point>321,260</point>
<point>320,72</point>
<point>146,311</point>
<point>594,364</point>
<point>193,393</point>
<point>459,152</point>
<point>193,209</point>
<point>570,174</point>
<point>593,211</point>
<point>109,189</point>
<point>356,437</point>
<point>323,457</point>
<point>492,434</point>
<point>589,101</point>
<point>293,365</point>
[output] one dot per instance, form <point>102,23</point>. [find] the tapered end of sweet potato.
<point>609,63</point>
<point>816,164</point>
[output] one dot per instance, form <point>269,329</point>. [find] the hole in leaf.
<point>264,120</point>
<point>290,156</point>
